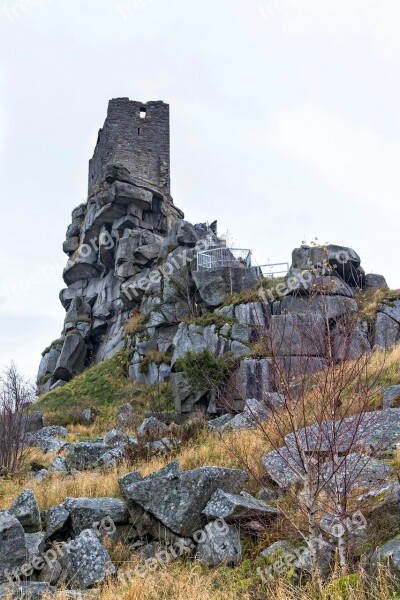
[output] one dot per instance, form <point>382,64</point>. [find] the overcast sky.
<point>284,126</point>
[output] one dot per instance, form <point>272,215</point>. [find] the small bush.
<point>154,356</point>
<point>210,319</point>
<point>52,345</point>
<point>204,371</point>
<point>135,324</point>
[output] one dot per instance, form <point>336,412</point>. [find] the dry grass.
<point>206,449</point>
<point>135,323</point>
<point>369,300</point>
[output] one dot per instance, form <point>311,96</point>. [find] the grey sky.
<point>284,126</point>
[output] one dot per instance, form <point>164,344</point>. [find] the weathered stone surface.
<point>72,357</point>
<point>56,519</point>
<point>151,374</point>
<point>387,331</point>
<point>84,455</point>
<point>221,547</point>
<point>115,437</point>
<point>277,548</point>
<point>350,342</point>
<point>390,396</point>
<point>59,465</point>
<point>79,309</point>
<point>26,510</point>
<point>233,507</point>
<point>329,307</point>
<point>89,561</point>
<point>219,423</point>
<point>255,378</point>
<point>125,416</point>
<point>47,438</point>
<point>341,261</point>
<point>33,422</point>
<point>152,428</point>
<point>126,480</point>
<point>48,362</point>
<point>373,280</point>
<point>257,314</point>
<point>284,466</point>
<point>86,512</point>
<point>293,367</point>
<point>13,550</point>
<point>298,335</point>
<point>391,309</point>
<point>178,501</point>
<point>51,572</point>
<point>357,472</point>
<point>254,414</point>
<point>388,553</point>
<point>215,286</point>
<point>378,430</point>
<point>34,544</point>
<point>195,338</point>
<point>185,397</point>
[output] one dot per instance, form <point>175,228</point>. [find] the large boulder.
<point>86,512</point>
<point>391,395</point>
<point>72,357</point>
<point>255,378</point>
<point>196,338</point>
<point>178,499</point>
<point>152,428</point>
<point>216,286</point>
<point>185,397</point>
<point>254,414</point>
<point>114,437</point>
<point>33,422</point>
<point>85,455</point>
<point>220,545</point>
<point>387,332</point>
<point>13,549</point>
<point>330,308</point>
<point>298,335</point>
<point>56,519</point>
<point>373,280</point>
<point>26,510</point>
<point>331,259</point>
<point>88,561</point>
<point>238,507</point>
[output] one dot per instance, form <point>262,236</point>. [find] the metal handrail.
<point>271,274</point>
<point>224,257</point>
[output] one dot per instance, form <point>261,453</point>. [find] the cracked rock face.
<point>178,500</point>
<point>13,552</point>
<point>89,561</point>
<point>26,510</point>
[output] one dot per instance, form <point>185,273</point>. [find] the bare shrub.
<point>15,394</point>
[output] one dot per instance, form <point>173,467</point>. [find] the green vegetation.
<point>52,345</point>
<point>255,294</point>
<point>154,356</point>
<point>204,371</point>
<point>103,388</point>
<point>369,300</point>
<point>210,319</point>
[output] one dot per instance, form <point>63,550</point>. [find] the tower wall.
<point>136,135</point>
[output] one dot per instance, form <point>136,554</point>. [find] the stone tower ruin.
<point>136,136</point>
